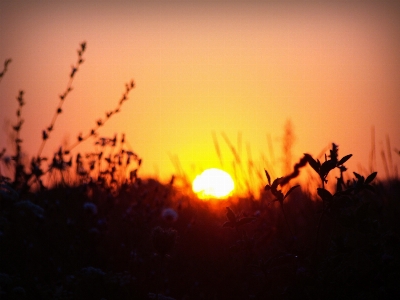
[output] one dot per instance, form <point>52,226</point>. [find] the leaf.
<point>324,194</point>
<point>360,180</point>
<point>279,195</point>
<point>275,184</point>
<point>312,162</point>
<point>291,190</point>
<point>73,71</point>
<point>344,159</point>
<point>83,46</point>
<point>370,177</point>
<point>268,177</point>
<point>231,216</point>
<point>326,167</point>
<point>245,220</point>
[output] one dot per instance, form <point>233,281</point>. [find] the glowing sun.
<point>213,183</point>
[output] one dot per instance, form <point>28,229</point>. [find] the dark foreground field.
<point>149,241</point>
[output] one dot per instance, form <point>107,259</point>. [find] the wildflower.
<point>169,215</point>
<point>90,207</point>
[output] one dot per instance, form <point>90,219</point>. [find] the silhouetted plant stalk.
<point>100,122</point>
<point>243,180</point>
<point>110,167</point>
<point>330,201</point>
<point>58,161</point>
<point>6,63</point>
<point>323,171</point>
<point>279,196</point>
<point>282,181</point>
<point>61,163</point>
<point>19,167</point>
<point>2,73</point>
<point>63,96</point>
<point>287,145</point>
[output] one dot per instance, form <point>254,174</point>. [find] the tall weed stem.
<point>75,68</point>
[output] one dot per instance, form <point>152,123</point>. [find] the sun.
<point>213,183</point>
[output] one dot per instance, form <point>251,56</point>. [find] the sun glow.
<point>213,183</point>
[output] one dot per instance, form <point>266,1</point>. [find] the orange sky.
<point>204,67</point>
